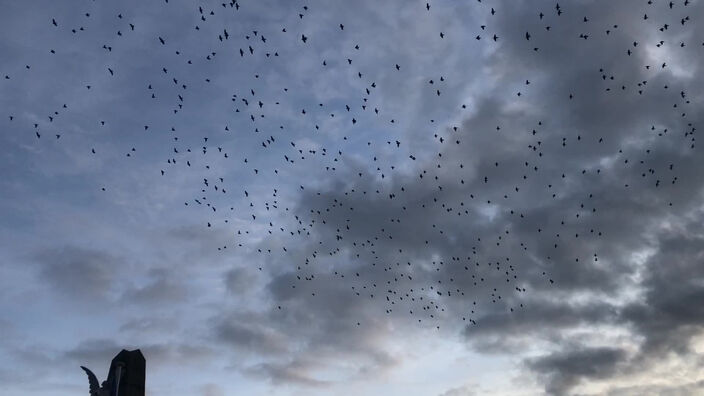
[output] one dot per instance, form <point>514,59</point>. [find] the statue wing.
<point>92,382</point>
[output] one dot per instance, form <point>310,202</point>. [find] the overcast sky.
<point>393,197</point>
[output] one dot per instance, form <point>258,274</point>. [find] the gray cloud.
<point>95,352</point>
<point>295,372</point>
<point>563,232</point>
<point>79,272</point>
<point>250,338</point>
<point>629,213</point>
<point>691,388</point>
<point>162,289</point>
<point>465,390</point>
<point>565,368</point>
<point>212,390</point>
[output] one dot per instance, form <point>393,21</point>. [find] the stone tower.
<point>127,373</point>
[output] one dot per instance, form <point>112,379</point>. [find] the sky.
<point>449,198</point>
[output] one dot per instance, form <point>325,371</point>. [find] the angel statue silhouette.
<point>94,388</point>
<point>126,376</point>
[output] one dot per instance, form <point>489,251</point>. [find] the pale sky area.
<point>369,197</point>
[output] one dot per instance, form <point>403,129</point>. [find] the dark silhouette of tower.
<point>127,373</point>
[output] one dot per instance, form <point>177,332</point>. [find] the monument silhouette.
<point>126,376</point>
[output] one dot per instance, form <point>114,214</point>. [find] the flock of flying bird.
<point>329,225</point>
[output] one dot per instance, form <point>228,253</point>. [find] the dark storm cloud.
<point>670,314</point>
<point>547,317</point>
<point>564,369</point>
<point>307,336</point>
<point>240,280</point>
<point>90,274</point>
<point>667,316</point>
<point>629,218</point>
<point>468,232</point>
<point>79,272</point>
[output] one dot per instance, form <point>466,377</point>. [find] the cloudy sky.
<point>353,197</point>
